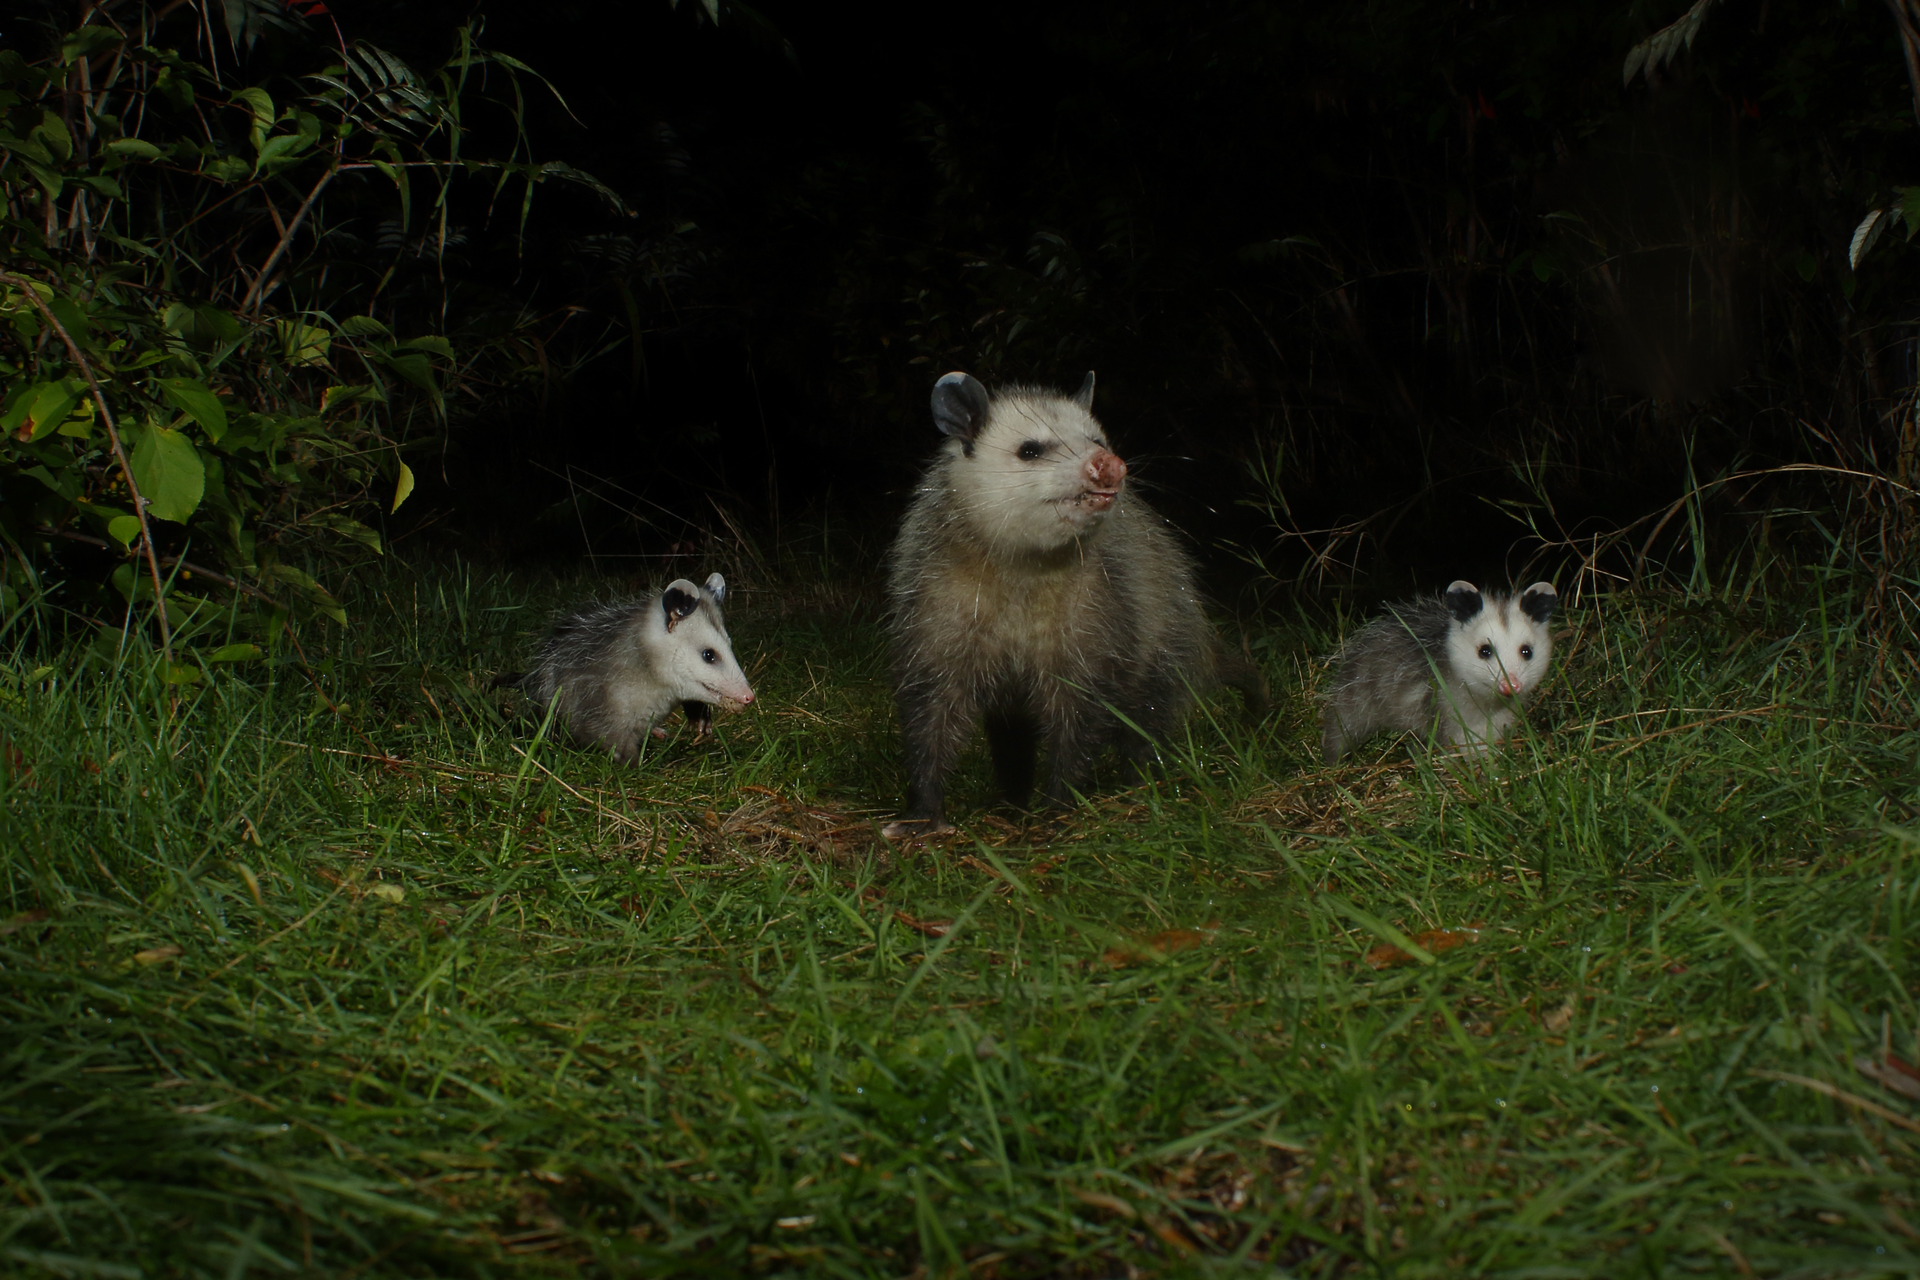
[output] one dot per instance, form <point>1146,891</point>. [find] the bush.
<point>220,301</point>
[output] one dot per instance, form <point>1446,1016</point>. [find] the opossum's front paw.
<point>660,735</point>
<point>909,828</point>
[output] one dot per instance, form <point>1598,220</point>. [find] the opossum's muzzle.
<point>1104,472</point>
<point>1510,684</point>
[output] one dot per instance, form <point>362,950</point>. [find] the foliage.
<point>363,981</point>
<point>221,296</point>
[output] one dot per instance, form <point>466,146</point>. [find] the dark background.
<point>1423,270</point>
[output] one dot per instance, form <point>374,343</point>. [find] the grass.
<point>346,976</point>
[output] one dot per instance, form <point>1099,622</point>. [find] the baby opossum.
<point>620,668</point>
<point>1032,590</point>
<point>1456,666</point>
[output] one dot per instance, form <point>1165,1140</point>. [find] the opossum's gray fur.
<point>619,669</point>
<point>1039,595</point>
<point>1456,666</point>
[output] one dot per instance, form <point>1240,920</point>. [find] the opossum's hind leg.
<point>1142,751</point>
<point>1333,743</point>
<point>1145,726</point>
<point>1079,731</point>
<point>1348,719</point>
<point>1240,671</point>
<point>934,725</point>
<point>699,719</point>
<point>1013,739</point>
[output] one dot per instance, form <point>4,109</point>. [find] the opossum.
<point>619,669</point>
<point>1032,590</point>
<point>1456,666</point>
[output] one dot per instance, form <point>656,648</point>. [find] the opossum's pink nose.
<point>1105,470</point>
<point>746,697</point>
<point>1509,685</point>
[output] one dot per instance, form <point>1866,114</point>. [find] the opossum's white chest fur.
<point>1014,620</point>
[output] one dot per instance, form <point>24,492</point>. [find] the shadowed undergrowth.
<point>356,978</point>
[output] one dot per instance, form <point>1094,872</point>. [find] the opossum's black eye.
<point>1526,653</point>
<point>709,657</point>
<point>1486,652</point>
<point>1032,451</point>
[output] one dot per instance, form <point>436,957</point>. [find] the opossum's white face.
<point>691,649</point>
<point>1032,471</point>
<point>1498,646</point>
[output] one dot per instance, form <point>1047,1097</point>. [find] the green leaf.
<point>303,344</point>
<point>1864,236</point>
<point>1910,208</point>
<point>260,103</point>
<point>402,488</point>
<point>315,594</point>
<point>133,148</point>
<point>124,529</point>
<point>418,370</point>
<point>50,180</point>
<point>78,424</point>
<point>235,653</point>
<point>194,399</point>
<point>347,527</point>
<point>337,397</point>
<point>281,147</point>
<point>170,473</point>
<point>101,186</point>
<point>87,41</point>
<point>363,327</point>
<point>180,673</point>
<point>432,342</point>
<point>52,134</point>
<point>46,477</point>
<point>100,513</point>
<point>72,317</point>
<point>175,88</point>
<point>225,168</point>
<point>202,326</point>
<point>34,411</point>
<point>25,148</point>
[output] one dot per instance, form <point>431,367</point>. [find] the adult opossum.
<point>1031,590</point>
<point>620,668</point>
<point>1456,666</point>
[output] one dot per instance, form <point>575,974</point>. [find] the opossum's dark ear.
<point>959,406</point>
<point>1539,601</point>
<point>679,601</point>
<point>1463,601</point>
<point>717,588</point>
<point>1084,396</point>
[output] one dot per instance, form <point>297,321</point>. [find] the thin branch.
<point>119,454</point>
<point>1910,46</point>
<point>255,294</point>
<point>166,562</point>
